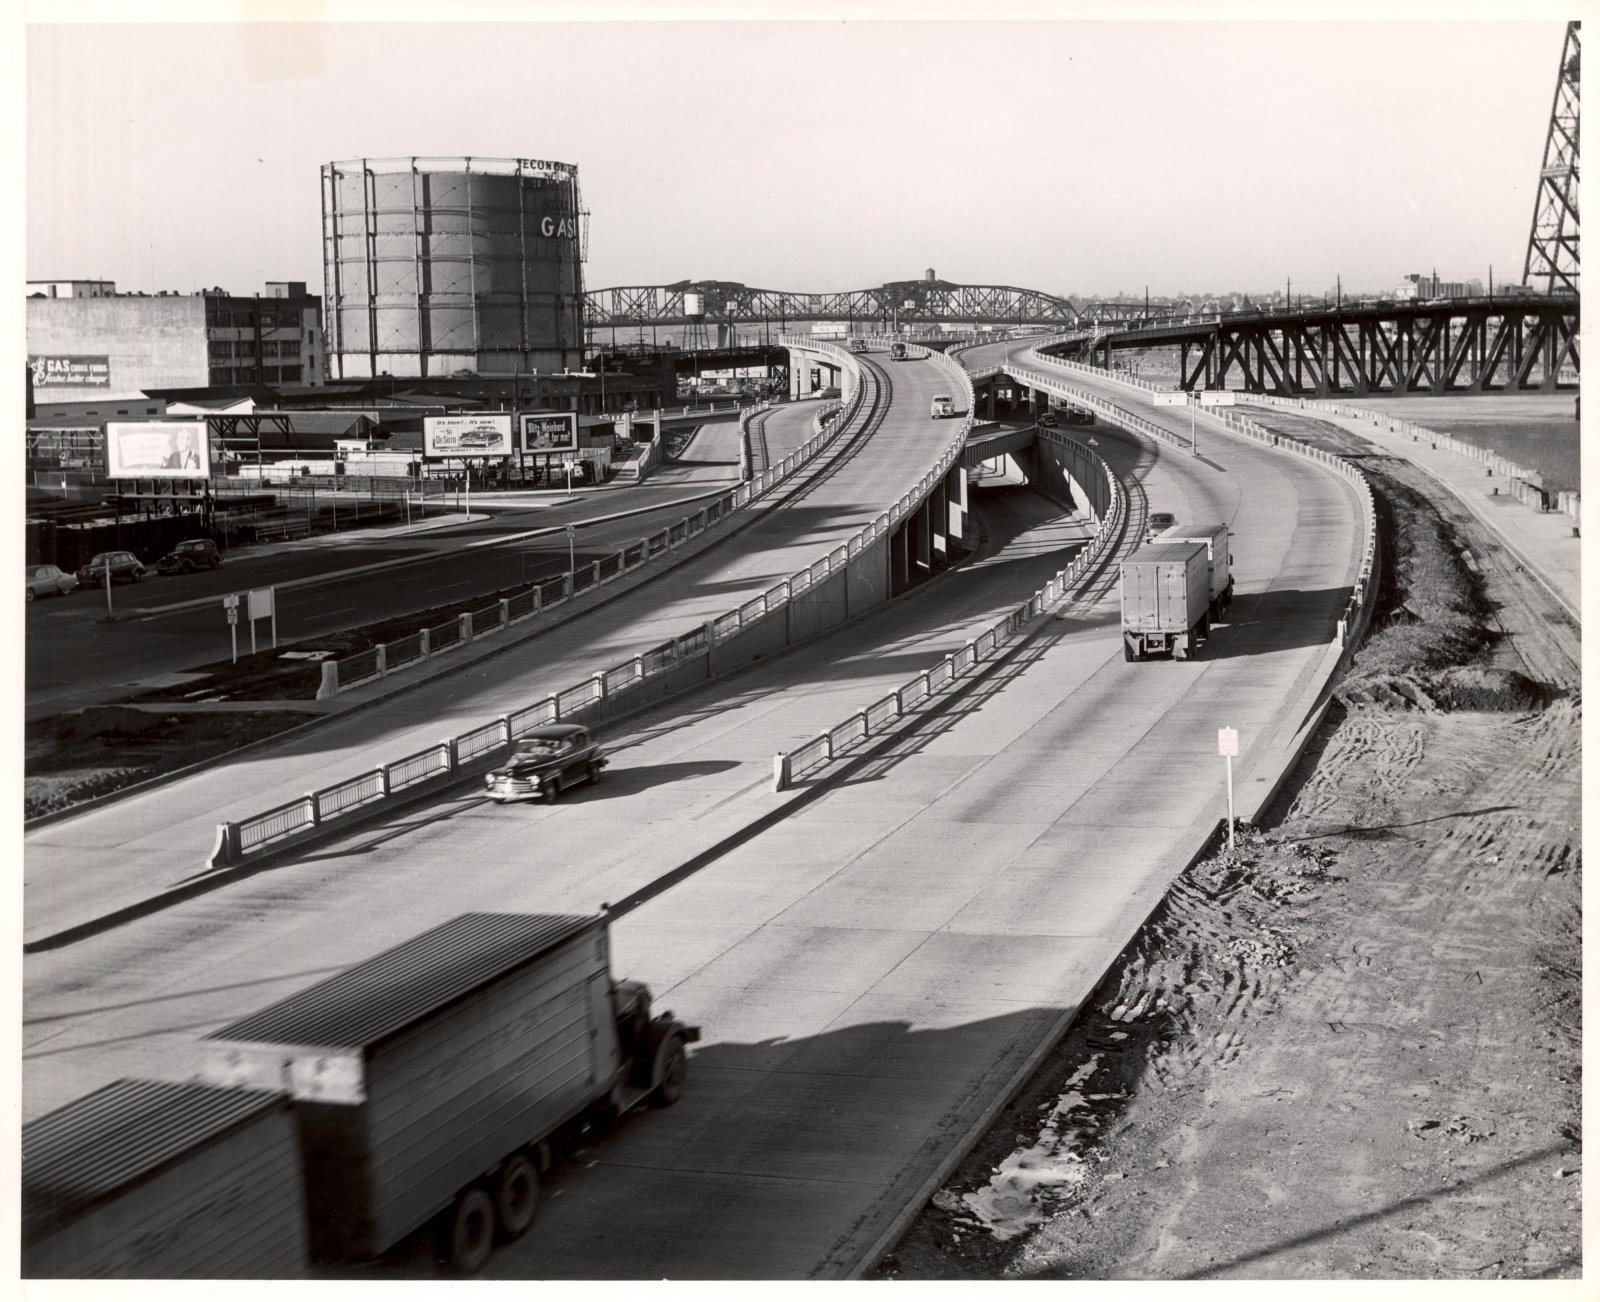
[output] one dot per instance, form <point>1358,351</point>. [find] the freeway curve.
<point>83,867</point>
<point>873,962</point>
<point>169,624</point>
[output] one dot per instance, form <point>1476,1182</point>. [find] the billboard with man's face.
<point>157,449</point>
<point>488,435</point>
<point>550,432</point>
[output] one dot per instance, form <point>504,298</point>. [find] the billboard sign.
<point>1216,398</point>
<point>1178,399</point>
<point>484,435</point>
<point>157,449</point>
<point>550,432</point>
<point>54,371</point>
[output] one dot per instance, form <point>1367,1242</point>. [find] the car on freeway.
<point>190,555</point>
<point>1048,419</point>
<point>545,761</point>
<point>1157,523</point>
<point>49,581</point>
<point>942,406</point>
<point>120,565</point>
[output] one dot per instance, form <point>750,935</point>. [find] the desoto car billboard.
<point>487,435</point>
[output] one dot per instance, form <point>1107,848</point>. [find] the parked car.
<point>546,760</point>
<point>190,555</point>
<point>48,581</point>
<point>123,565</point>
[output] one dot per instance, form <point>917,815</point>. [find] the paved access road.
<point>83,867</point>
<point>169,623</point>
<point>870,971</point>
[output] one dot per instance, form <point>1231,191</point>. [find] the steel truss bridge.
<point>1509,344</point>
<point>728,302</point>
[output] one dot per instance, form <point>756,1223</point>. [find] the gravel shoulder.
<point>1349,1049</point>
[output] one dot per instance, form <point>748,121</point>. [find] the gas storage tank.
<point>433,265</point>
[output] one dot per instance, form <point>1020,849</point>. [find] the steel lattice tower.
<point>1553,241</point>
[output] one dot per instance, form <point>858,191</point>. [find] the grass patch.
<point>75,757</point>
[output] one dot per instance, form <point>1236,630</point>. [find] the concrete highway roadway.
<point>869,971</point>
<point>167,624</point>
<point>83,867</point>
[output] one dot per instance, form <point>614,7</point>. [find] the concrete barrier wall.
<point>867,577</point>
<point>822,606</point>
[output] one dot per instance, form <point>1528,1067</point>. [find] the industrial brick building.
<point>108,345</point>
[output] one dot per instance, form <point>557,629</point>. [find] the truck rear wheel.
<point>467,1232</point>
<point>516,1197</point>
<point>674,1061</point>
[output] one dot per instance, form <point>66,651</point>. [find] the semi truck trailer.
<point>427,1086</point>
<point>1217,542</point>
<point>1166,589</point>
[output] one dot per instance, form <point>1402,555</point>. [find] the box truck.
<point>160,1180</point>
<point>427,1086</point>
<point>1166,591</point>
<point>1215,539</point>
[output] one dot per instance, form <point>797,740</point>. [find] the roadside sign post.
<point>1228,747</point>
<point>262,605</point>
<point>572,564</point>
<point>230,603</point>
<point>110,614</point>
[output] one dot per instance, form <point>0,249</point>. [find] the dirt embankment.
<point>1350,1049</point>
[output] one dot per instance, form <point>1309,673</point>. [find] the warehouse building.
<point>84,346</point>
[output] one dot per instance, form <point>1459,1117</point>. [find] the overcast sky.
<point>1086,157</point>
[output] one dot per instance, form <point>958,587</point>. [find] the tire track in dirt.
<point>1350,1048</point>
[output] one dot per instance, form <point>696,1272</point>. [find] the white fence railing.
<point>379,661</point>
<point>879,717</point>
<point>601,695</point>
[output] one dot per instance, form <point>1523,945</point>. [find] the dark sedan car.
<point>123,565</point>
<point>544,761</point>
<point>190,555</point>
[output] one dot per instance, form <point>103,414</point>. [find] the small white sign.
<point>572,531</point>
<point>1227,741</point>
<point>1216,398</point>
<point>1178,399</point>
<point>260,603</point>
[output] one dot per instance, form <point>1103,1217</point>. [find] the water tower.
<point>694,308</point>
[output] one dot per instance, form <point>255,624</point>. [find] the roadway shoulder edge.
<point>446,663</point>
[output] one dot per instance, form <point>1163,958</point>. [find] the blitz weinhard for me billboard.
<point>487,435</point>
<point>550,433</point>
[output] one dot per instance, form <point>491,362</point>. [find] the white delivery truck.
<point>1165,593</point>
<point>1217,542</point>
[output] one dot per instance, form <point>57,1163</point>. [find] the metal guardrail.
<point>880,715</point>
<point>883,713</point>
<point>1524,489</point>
<point>377,662</point>
<point>439,766</point>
